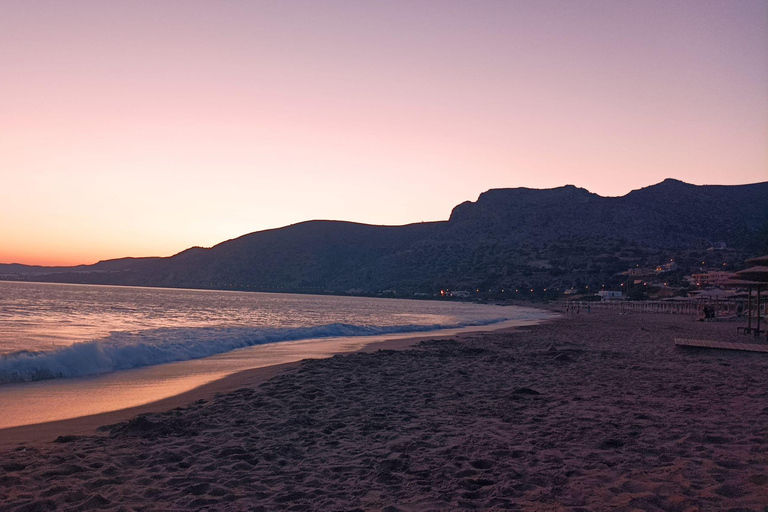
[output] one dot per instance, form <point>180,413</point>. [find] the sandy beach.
<point>45,432</point>
<point>591,412</point>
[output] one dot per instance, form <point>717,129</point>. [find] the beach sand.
<point>591,412</point>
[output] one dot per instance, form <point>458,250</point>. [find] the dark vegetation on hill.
<point>508,239</point>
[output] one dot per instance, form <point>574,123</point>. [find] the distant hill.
<point>107,266</point>
<point>508,238</point>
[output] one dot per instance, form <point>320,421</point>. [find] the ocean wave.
<point>125,350</point>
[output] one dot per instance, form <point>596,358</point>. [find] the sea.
<point>110,347</point>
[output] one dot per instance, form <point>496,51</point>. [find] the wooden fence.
<point>728,308</point>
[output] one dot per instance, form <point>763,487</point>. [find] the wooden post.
<point>757,331</point>
<point>749,308</point>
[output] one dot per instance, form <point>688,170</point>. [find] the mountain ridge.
<point>563,236</point>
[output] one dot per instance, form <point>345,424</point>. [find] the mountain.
<point>107,266</point>
<point>508,238</point>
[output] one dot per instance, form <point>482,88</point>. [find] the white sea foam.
<point>124,350</point>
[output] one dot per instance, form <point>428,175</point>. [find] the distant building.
<point>714,278</point>
<point>610,295</point>
<point>717,246</point>
<point>640,271</point>
<point>460,293</point>
<point>667,267</point>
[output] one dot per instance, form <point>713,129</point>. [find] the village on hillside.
<point>711,290</point>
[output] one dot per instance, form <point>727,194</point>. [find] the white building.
<point>609,295</point>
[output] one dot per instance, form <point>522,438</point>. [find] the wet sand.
<point>63,399</point>
<point>43,433</point>
<point>592,412</point>
<point>117,396</point>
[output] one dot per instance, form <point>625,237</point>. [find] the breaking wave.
<point>125,350</point>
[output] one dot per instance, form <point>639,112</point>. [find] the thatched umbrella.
<point>741,283</point>
<point>759,274</point>
<point>760,260</point>
<point>744,283</point>
<point>715,293</point>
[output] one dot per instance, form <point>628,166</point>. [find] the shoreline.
<point>592,412</point>
<point>42,433</point>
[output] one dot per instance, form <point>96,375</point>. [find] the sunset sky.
<point>141,128</point>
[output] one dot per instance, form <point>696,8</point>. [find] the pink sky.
<point>142,128</point>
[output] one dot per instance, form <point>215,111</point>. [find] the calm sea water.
<point>51,331</point>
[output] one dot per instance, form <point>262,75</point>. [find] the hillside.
<point>508,238</point>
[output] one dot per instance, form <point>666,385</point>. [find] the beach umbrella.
<point>715,293</point>
<point>746,279</point>
<point>758,273</point>
<point>741,283</point>
<point>760,260</point>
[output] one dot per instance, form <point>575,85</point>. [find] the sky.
<point>141,128</point>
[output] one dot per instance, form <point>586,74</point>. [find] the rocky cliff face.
<point>671,214</point>
<point>507,238</point>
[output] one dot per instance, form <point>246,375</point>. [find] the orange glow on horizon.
<point>145,128</point>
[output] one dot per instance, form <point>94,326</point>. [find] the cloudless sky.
<point>138,128</point>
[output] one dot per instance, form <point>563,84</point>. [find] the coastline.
<point>42,433</point>
<point>593,412</point>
